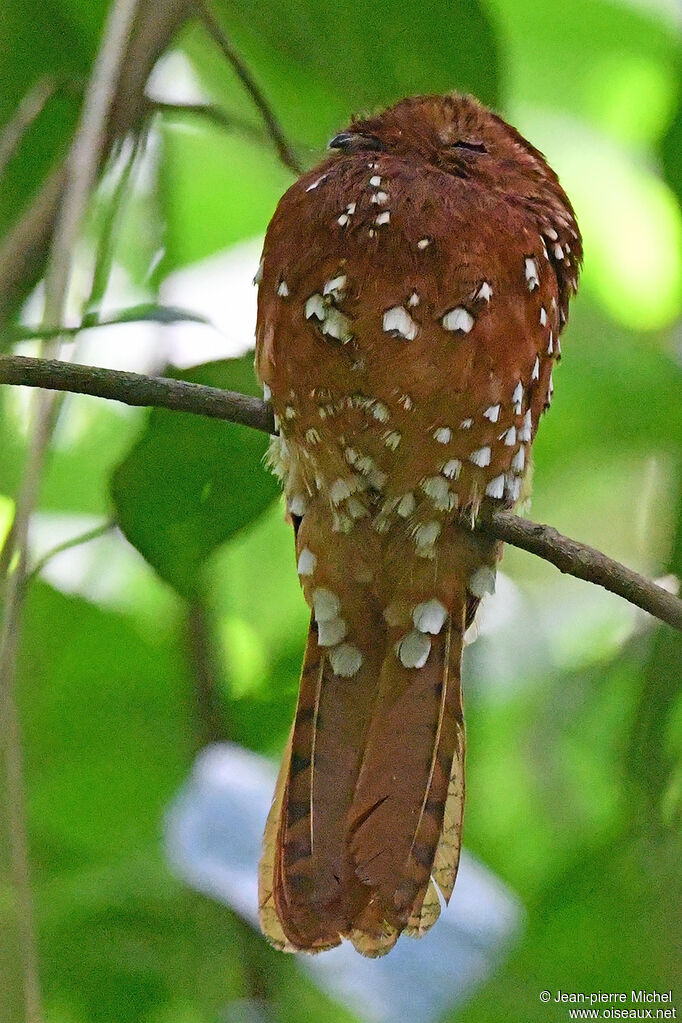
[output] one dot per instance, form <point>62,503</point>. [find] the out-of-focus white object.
<point>213,839</point>
<point>221,288</point>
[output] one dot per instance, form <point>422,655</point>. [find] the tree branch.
<point>567,555</point>
<point>82,165</point>
<point>136,389</point>
<point>583,562</point>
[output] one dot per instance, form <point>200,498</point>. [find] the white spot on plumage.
<point>512,486</point>
<point>351,455</point>
<point>413,649</point>
<point>398,320</point>
<point>526,429</point>
<point>550,344</point>
<point>343,219</point>
<point>392,440</point>
<point>326,605</point>
<point>356,509</point>
<point>550,388</point>
<point>350,208</point>
<point>482,581</point>
<point>380,412</point>
<point>423,243</point>
<point>466,424</point>
<point>380,197</point>
<point>535,375</point>
<point>331,632</point>
<point>267,393</point>
<point>342,523</point>
<point>452,469</point>
<point>259,273</point>
<point>406,505</point>
<point>375,181</point>
<point>312,436</point>
<point>346,660</point>
<point>430,616</point>
<point>366,466</point>
<point>551,234</point>
<point>543,316</point>
<point>425,536</point>
<point>509,436</point>
<point>458,318</point>
<point>283,290</point>
<point>315,307</point>
<point>496,487</point>
<point>558,252</point>
<point>289,412</point>
<point>480,457</point>
<point>492,413</point>
<point>519,460</point>
<point>297,505</point>
<point>306,562</point>
<point>383,218</point>
<point>517,398</point>
<point>337,325</point>
<point>341,489</point>
<point>335,286</point>
<point>531,273</point>
<point>443,434</point>
<point>437,489</point>
<point>484,293</point>
<point>413,300</point>
<point>314,185</point>
<point>406,402</point>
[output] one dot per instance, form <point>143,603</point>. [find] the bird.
<point>411,295</point>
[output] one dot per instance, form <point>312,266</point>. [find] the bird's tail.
<point>368,806</point>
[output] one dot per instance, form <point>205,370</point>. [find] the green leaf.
<point>41,42</point>
<point>28,52</point>
<point>613,65</point>
<point>189,484</point>
<point>671,151</point>
<point>368,53</point>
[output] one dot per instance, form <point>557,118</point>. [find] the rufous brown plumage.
<point>411,296</point>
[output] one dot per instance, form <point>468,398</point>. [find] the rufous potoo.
<point>412,292</point>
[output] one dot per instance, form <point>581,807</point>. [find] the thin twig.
<point>82,167</point>
<point>215,114</point>
<point>106,248</point>
<point>211,711</point>
<point>67,545</point>
<point>567,555</point>
<point>29,109</point>
<point>286,153</point>
<point>19,857</point>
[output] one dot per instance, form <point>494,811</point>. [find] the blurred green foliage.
<point>573,706</point>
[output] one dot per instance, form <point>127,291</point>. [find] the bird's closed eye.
<point>351,142</point>
<point>473,147</point>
